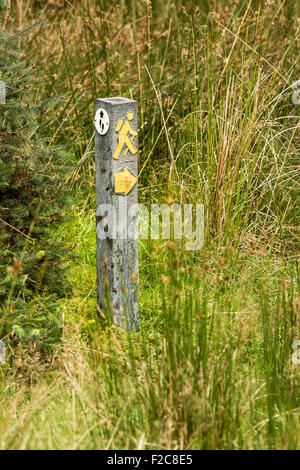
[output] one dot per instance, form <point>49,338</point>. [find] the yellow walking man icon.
<point>124,129</point>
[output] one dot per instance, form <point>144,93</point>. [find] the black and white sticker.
<point>101,121</point>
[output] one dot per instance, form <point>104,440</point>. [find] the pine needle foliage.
<point>32,198</point>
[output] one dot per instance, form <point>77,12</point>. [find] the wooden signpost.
<point>116,152</point>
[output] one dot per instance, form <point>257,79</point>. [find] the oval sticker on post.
<point>101,121</point>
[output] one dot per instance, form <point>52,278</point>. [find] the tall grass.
<point>211,367</point>
<point>220,81</point>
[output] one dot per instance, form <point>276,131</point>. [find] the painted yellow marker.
<point>124,181</point>
<point>124,128</point>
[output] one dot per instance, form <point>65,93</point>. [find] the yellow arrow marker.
<point>124,181</point>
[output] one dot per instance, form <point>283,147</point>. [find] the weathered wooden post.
<point>116,152</point>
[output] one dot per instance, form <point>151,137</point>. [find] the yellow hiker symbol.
<point>124,129</point>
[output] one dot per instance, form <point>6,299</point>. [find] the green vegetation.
<point>31,200</point>
<point>211,367</point>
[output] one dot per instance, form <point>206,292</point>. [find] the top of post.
<point>115,100</point>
